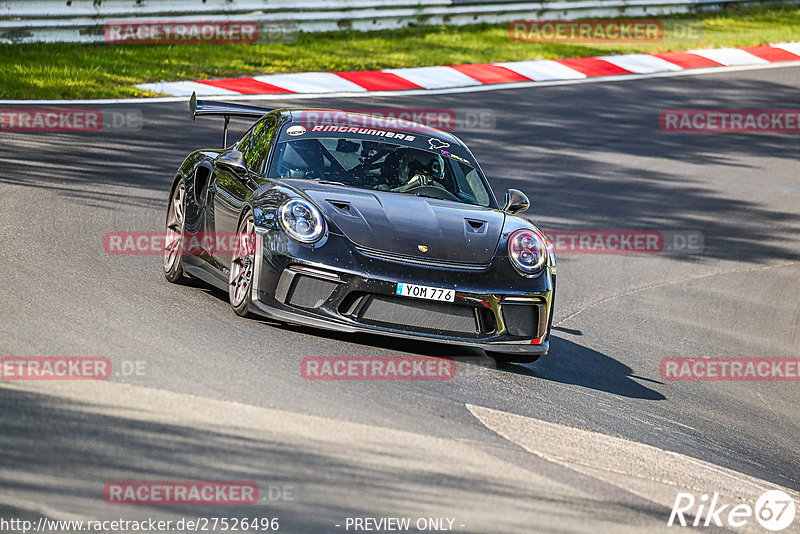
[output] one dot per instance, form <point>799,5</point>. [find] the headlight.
<point>301,220</point>
<point>527,251</point>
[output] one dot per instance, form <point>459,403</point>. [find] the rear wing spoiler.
<point>207,107</point>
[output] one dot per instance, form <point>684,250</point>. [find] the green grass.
<point>107,71</point>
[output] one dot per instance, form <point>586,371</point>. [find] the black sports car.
<point>359,223</point>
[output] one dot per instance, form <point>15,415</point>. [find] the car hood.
<point>407,224</point>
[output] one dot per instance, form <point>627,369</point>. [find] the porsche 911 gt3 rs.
<point>360,223</point>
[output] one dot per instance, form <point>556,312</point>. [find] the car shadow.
<point>566,363</point>
<point>577,365</point>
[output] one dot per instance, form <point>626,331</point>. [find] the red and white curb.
<point>457,76</point>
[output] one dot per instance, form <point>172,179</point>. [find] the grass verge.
<point>71,71</point>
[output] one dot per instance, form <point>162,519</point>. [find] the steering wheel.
<point>287,171</point>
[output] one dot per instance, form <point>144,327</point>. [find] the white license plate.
<point>425,292</point>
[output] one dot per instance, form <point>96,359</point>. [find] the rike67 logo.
<point>774,510</point>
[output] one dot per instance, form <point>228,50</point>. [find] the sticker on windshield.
<point>364,131</point>
<point>437,144</point>
<point>296,130</point>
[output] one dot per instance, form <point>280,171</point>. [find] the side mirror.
<point>516,202</point>
<point>233,160</point>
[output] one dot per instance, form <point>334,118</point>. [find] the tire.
<point>240,280</point>
<point>173,239</point>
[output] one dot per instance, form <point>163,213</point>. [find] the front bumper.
<point>340,287</point>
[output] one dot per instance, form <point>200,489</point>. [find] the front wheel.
<point>173,236</point>
<point>240,280</point>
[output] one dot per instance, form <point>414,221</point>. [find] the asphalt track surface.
<point>589,438</point>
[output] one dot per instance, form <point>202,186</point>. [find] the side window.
<point>259,144</point>
<point>476,188</point>
<point>470,186</point>
<point>243,145</point>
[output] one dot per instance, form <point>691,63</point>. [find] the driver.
<point>436,169</point>
<point>423,169</point>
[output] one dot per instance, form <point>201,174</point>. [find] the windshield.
<point>380,166</point>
